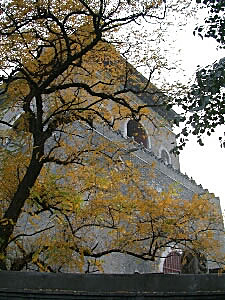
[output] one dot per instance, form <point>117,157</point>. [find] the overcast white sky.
<point>205,164</point>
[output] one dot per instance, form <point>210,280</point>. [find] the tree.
<point>215,23</point>
<point>62,78</point>
<point>204,104</point>
<point>77,215</point>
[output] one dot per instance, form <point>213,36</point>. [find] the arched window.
<point>172,263</point>
<point>165,156</point>
<point>136,130</point>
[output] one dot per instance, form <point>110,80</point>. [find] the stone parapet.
<point>32,285</point>
<point>143,155</point>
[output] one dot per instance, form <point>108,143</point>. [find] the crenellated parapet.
<point>166,173</point>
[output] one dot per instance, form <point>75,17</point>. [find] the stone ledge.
<point>23,285</point>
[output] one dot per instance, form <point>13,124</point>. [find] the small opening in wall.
<point>172,263</point>
<point>165,157</point>
<point>137,131</point>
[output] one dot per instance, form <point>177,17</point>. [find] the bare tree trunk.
<point>15,208</point>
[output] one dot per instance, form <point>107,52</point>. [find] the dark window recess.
<point>136,130</point>
<point>172,263</point>
<point>165,156</point>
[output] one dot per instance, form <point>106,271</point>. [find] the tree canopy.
<point>204,104</point>
<point>63,190</point>
<point>214,23</point>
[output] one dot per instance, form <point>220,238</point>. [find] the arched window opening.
<point>172,263</point>
<point>136,130</point>
<point>165,157</point>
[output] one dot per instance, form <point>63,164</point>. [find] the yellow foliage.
<point>73,199</point>
<point>94,201</point>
